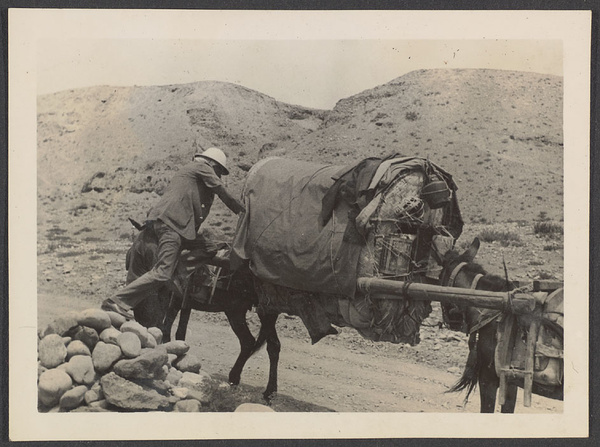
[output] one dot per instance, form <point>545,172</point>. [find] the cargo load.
<point>311,230</point>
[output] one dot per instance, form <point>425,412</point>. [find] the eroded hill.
<point>106,153</point>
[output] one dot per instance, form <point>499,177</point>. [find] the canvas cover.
<point>281,234</point>
<point>311,230</point>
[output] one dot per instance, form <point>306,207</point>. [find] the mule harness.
<point>474,283</point>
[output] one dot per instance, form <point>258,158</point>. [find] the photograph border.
<point>19,263</point>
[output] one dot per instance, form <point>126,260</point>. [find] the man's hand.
<point>240,208</point>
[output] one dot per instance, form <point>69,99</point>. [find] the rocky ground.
<point>340,373</point>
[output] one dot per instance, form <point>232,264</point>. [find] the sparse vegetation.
<point>544,275</point>
<point>547,228</point>
<point>552,247</point>
<point>411,116</point>
<point>505,238</point>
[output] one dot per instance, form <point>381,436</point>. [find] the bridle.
<point>457,270</point>
<point>478,276</point>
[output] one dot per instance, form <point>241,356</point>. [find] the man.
<point>176,219</point>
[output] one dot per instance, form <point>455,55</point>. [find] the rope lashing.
<point>455,273</point>
<point>508,303</point>
<point>405,287</point>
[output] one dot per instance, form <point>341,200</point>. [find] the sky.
<point>311,73</point>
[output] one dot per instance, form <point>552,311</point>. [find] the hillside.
<point>498,132</point>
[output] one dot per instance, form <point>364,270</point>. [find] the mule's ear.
<point>471,252</point>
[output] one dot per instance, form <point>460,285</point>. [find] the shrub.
<point>551,247</point>
<point>544,275</point>
<point>412,116</point>
<point>504,237</point>
<point>546,228</point>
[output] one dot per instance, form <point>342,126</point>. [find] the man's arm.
<point>232,203</point>
<point>206,173</point>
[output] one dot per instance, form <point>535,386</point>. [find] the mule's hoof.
<point>268,396</point>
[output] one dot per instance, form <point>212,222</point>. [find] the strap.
<point>455,273</point>
<point>485,322</point>
<point>476,280</point>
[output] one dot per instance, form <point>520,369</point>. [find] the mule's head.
<point>460,270</point>
<point>452,258</point>
<point>452,263</point>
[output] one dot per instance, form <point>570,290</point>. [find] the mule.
<point>161,307</point>
<point>459,270</point>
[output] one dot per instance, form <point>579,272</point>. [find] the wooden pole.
<point>520,303</point>
<point>532,336</point>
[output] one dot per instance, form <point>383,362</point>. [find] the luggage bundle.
<point>311,230</point>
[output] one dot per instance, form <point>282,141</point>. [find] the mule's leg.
<point>184,318</point>
<point>273,348</point>
<point>488,380</point>
<point>237,321</point>
<point>510,400</point>
<point>488,388</point>
<point>170,315</point>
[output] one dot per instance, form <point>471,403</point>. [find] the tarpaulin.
<point>281,234</point>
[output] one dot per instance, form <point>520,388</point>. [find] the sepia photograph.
<point>333,224</point>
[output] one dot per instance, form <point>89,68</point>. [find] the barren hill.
<point>498,132</point>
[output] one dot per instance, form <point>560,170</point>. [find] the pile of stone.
<point>97,361</point>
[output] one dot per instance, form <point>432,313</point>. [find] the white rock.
<point>87,335</point>
<point>199,385</point>
<point>177,347</point>
<point>146,366</point>
<point>81,369</point>
<point>91,396</point>
<point>131,396</point>
<point>110,335</point>
<point>180,392</point>
<point>77,347</point>
<point>187,406</point>
<point>52,385</point>
<point>73,398</point>
<point>253,408</point>
<point>138,329</point>
<point>189,363</point>
<point>130,344</point>
<point>156,333</point>
<point>174,376</point>
<point>116,319</point>
<point>94,318</point>
<point>52,351</point>
<point>104,356</point>
<point>61,325</point>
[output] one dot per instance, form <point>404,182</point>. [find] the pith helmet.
<point>215,154</point>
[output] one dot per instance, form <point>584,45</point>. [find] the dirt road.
<point>343,373</point>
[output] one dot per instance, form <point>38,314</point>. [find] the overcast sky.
<point>313,73</point>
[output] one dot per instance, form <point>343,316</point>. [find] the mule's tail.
<point>470,375</point>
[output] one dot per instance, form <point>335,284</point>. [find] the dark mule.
<point>459,270</point>
<point>161,308</point>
